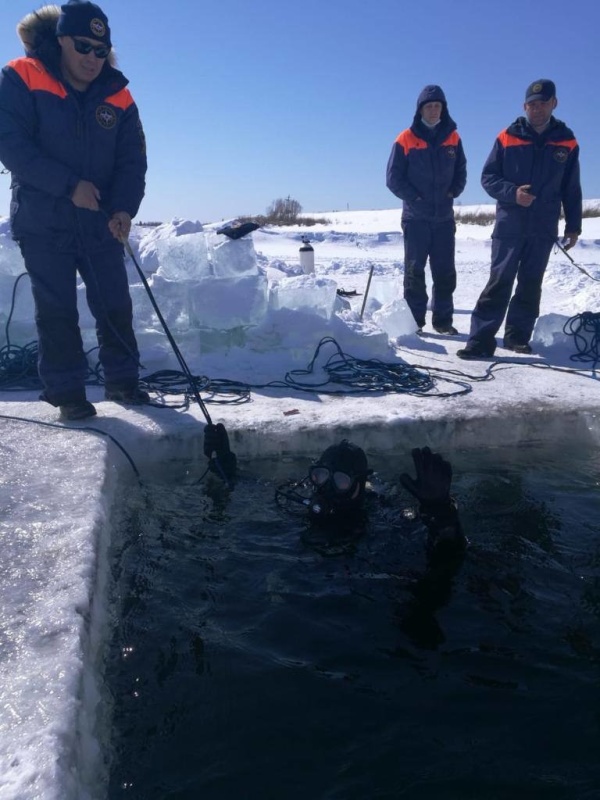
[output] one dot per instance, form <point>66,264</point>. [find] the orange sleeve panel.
<point>570,144</point>
<point>506,140</point>
<point>452,140</point>
<point>122,99</point>
<point>408,141</point>
<point>35,77</point>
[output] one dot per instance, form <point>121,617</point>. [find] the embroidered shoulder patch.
<point>106,117</point>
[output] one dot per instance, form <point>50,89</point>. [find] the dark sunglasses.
<point>99,50</point>
<point>341,481</point>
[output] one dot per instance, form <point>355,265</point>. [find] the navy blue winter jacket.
<point>52,136</point>
<point>550,163</point>
<point>427,169</point>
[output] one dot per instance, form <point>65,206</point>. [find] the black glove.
<point>216,440</point>
<point>225,466</point>
<point>238,229</point>
<point>431,487</point>
<point>212,438</point>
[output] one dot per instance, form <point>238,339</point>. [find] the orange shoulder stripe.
<point>452,140</point>
<point>409,141</point>
<point>36,78</point>
<point>507,140</point>
<point>121,99</point>
<point>571,144</point>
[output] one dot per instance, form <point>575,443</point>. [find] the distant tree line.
<point>287,211</point>
<point>283,211</point>
<point>488,217</point>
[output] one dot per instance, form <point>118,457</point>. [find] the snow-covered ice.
<point>243,311</point>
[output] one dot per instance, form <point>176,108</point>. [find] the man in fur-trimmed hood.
<point>38,31</point>
<point>71,136</point>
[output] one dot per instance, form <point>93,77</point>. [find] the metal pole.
<point>362,311</point>
<point>568,255</point>
<point>228,478</point>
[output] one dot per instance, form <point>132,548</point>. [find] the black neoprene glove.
<point>431,487</point>
<point>211,439</point>
<point>216,447</point>
<point>432,484</point>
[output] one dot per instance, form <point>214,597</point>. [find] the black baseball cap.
<point>540,90</point>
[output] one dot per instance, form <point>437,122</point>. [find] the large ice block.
<point>195,256</point>
<point>145,240</point>
<point>171,299</point>
<point>11,260</point>
<point>549,331</point>
<point>383,289</point>
<point>226,303</point>
<point>184,258</point>
<point>231,257</point>
<point>395,318</point>
<point>304,293</point>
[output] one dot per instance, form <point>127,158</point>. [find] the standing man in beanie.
<point>532,169</point>
<point>71,136</point>
<point>427,169</point>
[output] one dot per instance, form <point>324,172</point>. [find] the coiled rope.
<point>585,330</point>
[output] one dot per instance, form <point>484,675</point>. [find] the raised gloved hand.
<point>431,487</point>
<point>432,484</point>
<point>216,447</point>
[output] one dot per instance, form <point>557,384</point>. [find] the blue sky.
<point>244,102</point>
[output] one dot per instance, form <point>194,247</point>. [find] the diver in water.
<point>336,496</point>
<point>337,482</point>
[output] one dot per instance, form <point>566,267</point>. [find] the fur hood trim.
<point>37,31</point>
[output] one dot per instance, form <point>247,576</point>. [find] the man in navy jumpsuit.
<point>427,169</point>
<point>71,136</point>
<point>533,169</point>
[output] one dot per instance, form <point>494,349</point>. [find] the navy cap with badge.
<point>540,90</point>
<point>82,18</point>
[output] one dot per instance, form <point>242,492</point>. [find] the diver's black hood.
<point>346,457</point>
<point>327,503</point>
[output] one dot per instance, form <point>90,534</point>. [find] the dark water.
<point>251,663</point>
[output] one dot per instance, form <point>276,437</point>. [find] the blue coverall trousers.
<point>434,240</point>
<point>526,260</point>
<point>62,363</point>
